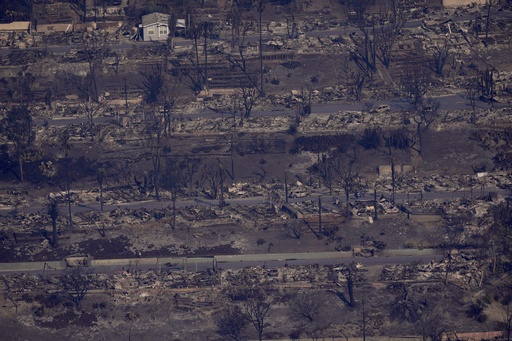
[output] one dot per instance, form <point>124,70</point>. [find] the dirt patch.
<point>67,319</point>
<point>118,247</point>
<point>215,250</point>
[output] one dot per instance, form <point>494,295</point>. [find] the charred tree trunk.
<point>54,232</point>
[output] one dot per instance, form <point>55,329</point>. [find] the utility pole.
<point>364,322</point>
<point>393,180</point>
<point>221,177</point>
<point>261,7</point>
<point>125,97</point>
<point>319,217</point>
<point>232,159</point>
<point>286,185</point>
<point>375,214</point>
<point>95,11</point>
<point>206,24</point>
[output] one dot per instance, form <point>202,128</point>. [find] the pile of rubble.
<point>300,275</point>
<point>171,279</point>
<point>244,190</point>
<point>414,183</point>
<point>12,199</point>
<point>463,269</point>
<point>367,207</point>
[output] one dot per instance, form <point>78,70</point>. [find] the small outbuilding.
<point>155,26</point>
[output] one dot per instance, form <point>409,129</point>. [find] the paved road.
<point>223,262</point>
<point>191,265</point>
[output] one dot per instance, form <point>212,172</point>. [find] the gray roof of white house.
<point>154,18</point>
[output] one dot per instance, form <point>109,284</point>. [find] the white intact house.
<point>155,26</point>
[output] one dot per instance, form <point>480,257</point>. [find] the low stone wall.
<point>425,218</point>
<point>410,252</point>
<point>457,3</point>
<point>399,169</point>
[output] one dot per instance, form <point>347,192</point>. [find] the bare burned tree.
<point>248,97</point>
<point>172,180</point>
<point>256,310</point>
<point>293,9</point>
<point>391,21</point>
<point>416,82</point>
<point>95,50</point>
<point>488,8</point>
<point>91,110</point>
<point>306,307</point>
<point>364,53</point>
<point>406,307</point>
<point>471,87</point>
<point>100,177</point>
<point>249,90</point>
<point>395,140</point>
<point>239,60</point>
<point>423,118</point>
<point>154,85</point>
<point>506,316</point>
<point>232,324</point>
<point>355,75</point>
<point>158,101</point>
<point>351,276</point>
<point>159,96</point>
<point>189,70</point>
<point>66,148</point>
<point>172,22</point>
<point>234,18</point>
<point>345,164</point>
<point>438,59</point>
<point>189,66</point>
<point>22,89</point>
<point>304,104</point>
<point>488,84</point>
<point>499,236</point>
<point>154,140</point>
<point>430,326</point>
<point>86,89</point>
<point>371,138</point>
<point>295,228</point>
<point>207,28</point>
<point>215,175</point>
<point>190,167</point>
<point>260,7</point>
<point>327,172</point>
<point>75,285</point>
<point>17,128</point>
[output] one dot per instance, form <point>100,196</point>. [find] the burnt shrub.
<point>476,312</point>
<point>371,138</point>
<point>291,65</point>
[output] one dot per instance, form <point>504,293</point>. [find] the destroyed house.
<point>155,26</point>
<point>58,17</point>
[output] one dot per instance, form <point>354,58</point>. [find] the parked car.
<point>382,108</point>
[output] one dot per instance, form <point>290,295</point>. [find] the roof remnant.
<point>154,18</point>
